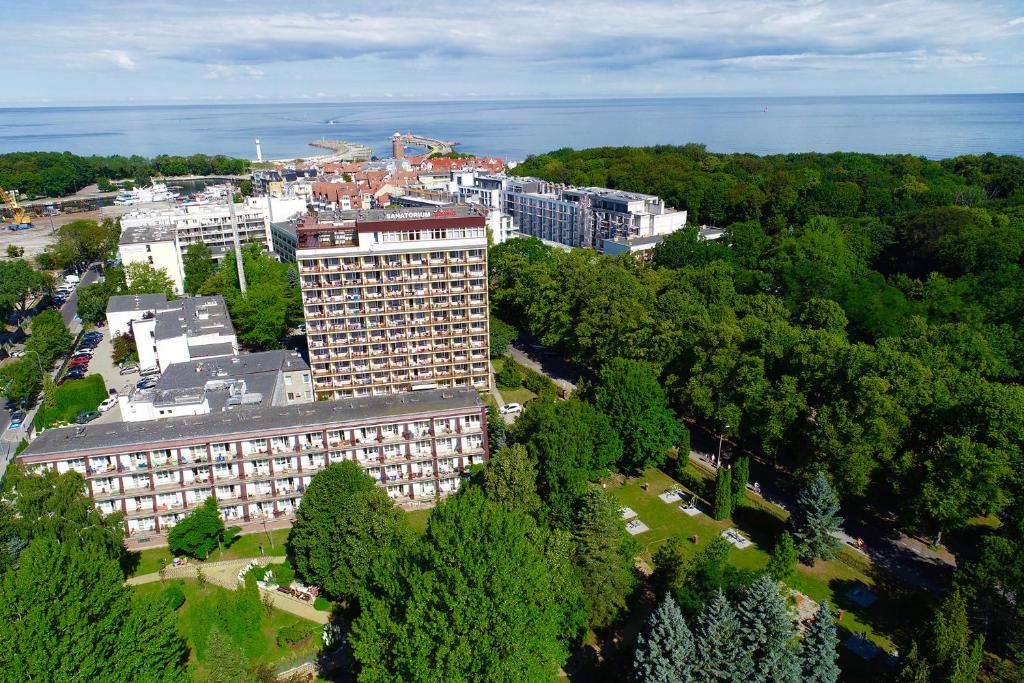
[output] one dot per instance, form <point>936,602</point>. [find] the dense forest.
<point>54,174</point>
<point>860,317</point>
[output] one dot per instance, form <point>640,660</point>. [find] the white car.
<point>510,408</point>
<point>107,404</point>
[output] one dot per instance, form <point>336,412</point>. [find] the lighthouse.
<point>259,152</point>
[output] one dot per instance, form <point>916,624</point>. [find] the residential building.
<point>210,385</point>
<point>587,216</point>
<point>156,246</point>
<point>210,224</point>
<point>257,462</point>
<point>285,239</point>
<point>176,331</point>
<point>395,300</point>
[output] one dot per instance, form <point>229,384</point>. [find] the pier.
<point>342,151</point>
<point>435,147</point>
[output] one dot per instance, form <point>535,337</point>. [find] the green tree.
<point>818,655</point>
<point>669,567</point>
<point>92,300</point>
<point>20,285</point>
<point>815,521</point>
<point>739,479</point>
<point>687,248</point>
<point>142,278</point>
<point>766,640</point>
<point>21,380</point>
<point>629,393</point>
<point>665,649</point>
<point>475,599</point>
<point>511,374</point>
<point>722,505</point>
<point>50,337</point>
<point>198,267</point>
<point>783,560</point>
<point>573,444</point>
<point>225,662</point>
<point>502,336</point>
<point>510,478</point>
<point>708,573</point>
<point>14,251</point>
<point>955,655</point>
<point>344,531</point>
<point>715,639</point>
<point>66,615</point>
<point>497,429</point>
<point>603,556</point>
<point>199,532</point>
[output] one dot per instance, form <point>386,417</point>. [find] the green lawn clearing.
<point>154,559</point>
<point>71,398</point>
<point>238,617</point>
<point>823,581</point>
<point>418,519</point>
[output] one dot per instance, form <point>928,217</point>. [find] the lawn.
<point>197,615</point>
<point>70,399</point>
<point>519,394</point>
<point>418,519</point>
<point>822,581</point>
<point>248,545</point>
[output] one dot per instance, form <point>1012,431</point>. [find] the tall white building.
<point>395,300</point>
<point>156,246</point>
<point>210,224</point>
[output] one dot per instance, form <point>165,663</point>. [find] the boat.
<point>157,192</point>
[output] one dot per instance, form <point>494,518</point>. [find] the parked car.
<point>129,369</point>
<point>151,371</point>
<point>146,383</point>
<point>107,404</point>
<point>510,408</point>
<point>17,419</point>
<point>84,353</point>
<point>87,416</point>
<point>17,354</point>
<point>81,361</point>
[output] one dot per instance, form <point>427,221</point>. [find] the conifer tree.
<point>225,661</point>
<point>723,494</point>
<point>604,557</point>
<point>815,520</point>
<point>714,642</point>
<point>784,557</point>
<point>665,650</point>
<point>818,654</point>
<point>766,638</point>
<point>740,477</point>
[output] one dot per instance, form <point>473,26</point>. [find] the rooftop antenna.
<point>238,245</point>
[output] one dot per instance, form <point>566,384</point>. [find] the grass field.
<point>194,622</point>
<point>822,581</point>
<point>72,398</point>
<point>515,395</point>
<point>153,559</point>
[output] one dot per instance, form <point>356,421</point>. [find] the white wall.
<point>163,254</point>
<point>144,342</point>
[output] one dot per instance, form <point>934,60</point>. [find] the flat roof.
<point>141,234</point>
<point>196,373</point>
<point>227,424</point>
<point>123,303</point>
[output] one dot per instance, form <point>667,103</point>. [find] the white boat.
<point>157,192</point>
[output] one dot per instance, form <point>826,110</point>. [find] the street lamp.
<point>721,437</point>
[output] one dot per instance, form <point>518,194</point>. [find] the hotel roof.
<point>229,423</point>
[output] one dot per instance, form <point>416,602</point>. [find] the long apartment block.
<point>257,462</point>
<point>395,300</point>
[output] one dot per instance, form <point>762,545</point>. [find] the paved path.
<point>225,575</point>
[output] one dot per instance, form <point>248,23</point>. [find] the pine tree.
<point>740,477</point>
<point>603,557</point>
<point>767,633</point>
<point>714,642</point>
<point>914,668</point>
<point>818,654</point>
<point>669,567</point>
<point>224,661</point>
<point>784,557</point>
<point>665,650</point>
<point>723,494</point>
<point>815,520</point>
<point>953,654</point>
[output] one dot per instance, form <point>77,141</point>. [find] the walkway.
<point>225,575</point>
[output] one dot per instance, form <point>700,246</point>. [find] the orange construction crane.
<point>11,202</point>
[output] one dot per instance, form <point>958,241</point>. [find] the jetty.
<point>341,150</point>
<point>433,146</point>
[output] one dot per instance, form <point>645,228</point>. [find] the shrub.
<point>540,384</point>
<point>296,633</point>
<point>174,596</point>
<point>511,375</point>
<point>257,572</point>
<point>322,604</point>
<point>283,574</point>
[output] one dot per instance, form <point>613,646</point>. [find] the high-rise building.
<point>395,300</point>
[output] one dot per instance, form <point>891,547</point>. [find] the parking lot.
<point>103,364</point>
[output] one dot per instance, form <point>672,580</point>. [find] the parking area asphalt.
<point>103,364</point>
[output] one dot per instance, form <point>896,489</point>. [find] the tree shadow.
<point>761,526</point>
<point>129,561</point>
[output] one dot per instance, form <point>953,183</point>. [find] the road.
<point>70,308</point>
<point>564,374</point>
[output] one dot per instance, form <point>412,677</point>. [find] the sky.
<point>82,52</point>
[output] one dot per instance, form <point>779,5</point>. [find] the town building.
<point>395,300</point>
<point>199,387</point>
<point>285,238</point>
<point>587,216</point>
<point>210,224</point>
<point>156,246</point>
<point>178,331</point>
<point>256,462</point>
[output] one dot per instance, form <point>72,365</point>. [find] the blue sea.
<point>930,126</point>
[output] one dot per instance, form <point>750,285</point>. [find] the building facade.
<point>155,246</point>
<point>395,300</point>
<point>210,224</point>
<point>257,462</point>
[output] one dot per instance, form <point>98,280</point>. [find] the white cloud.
<point>218,71</point>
